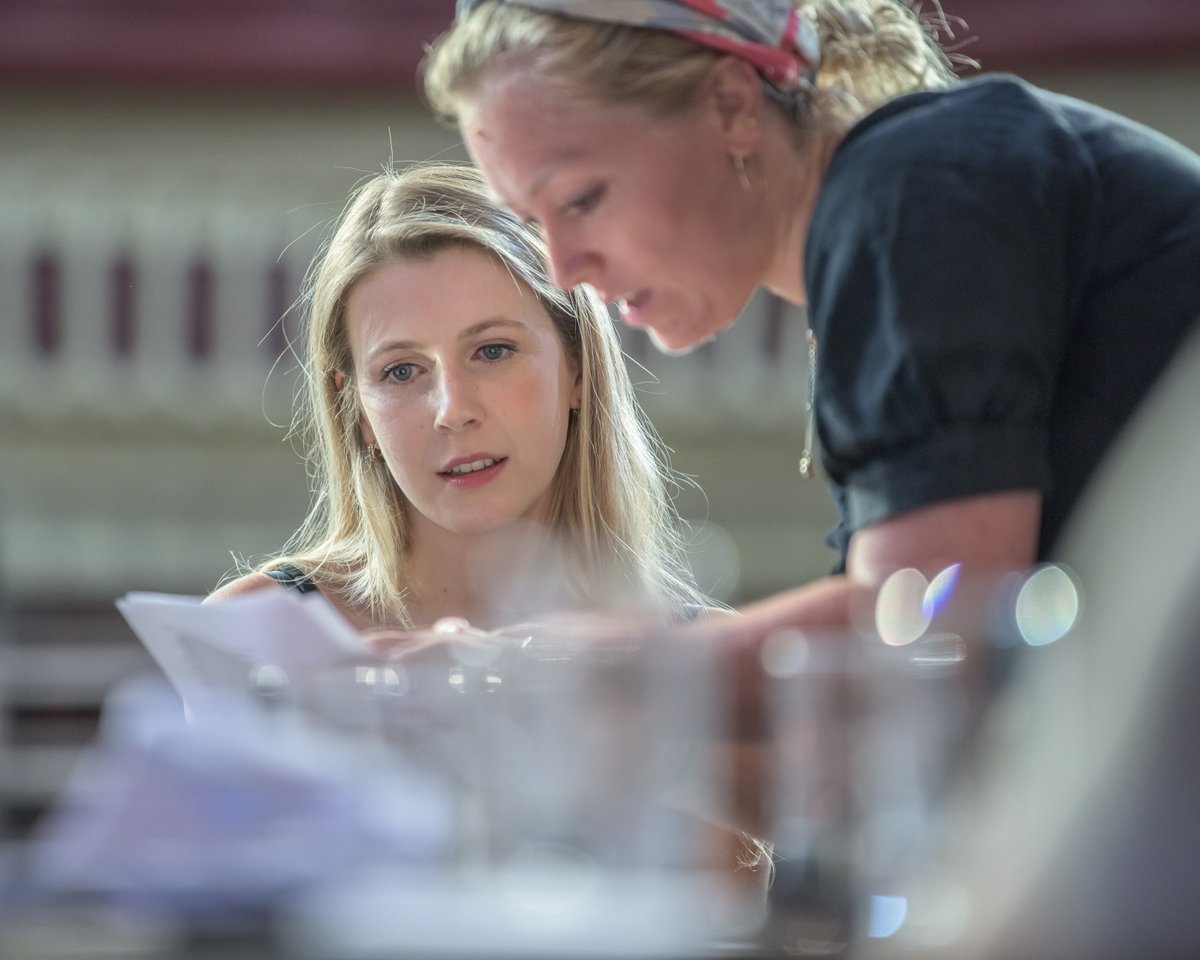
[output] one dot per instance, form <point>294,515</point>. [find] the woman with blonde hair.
<point>477,454</point>
<point>474,443</point>
<point>994,275</point>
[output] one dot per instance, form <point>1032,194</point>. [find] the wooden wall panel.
<point>364,43</point>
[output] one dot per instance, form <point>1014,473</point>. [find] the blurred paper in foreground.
<point>211,649</point>
<point>531,800</point>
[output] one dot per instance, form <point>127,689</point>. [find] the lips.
<point>631,307</point>
<point>470,466</point>
<point>466,473</point>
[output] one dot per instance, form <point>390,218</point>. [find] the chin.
<point>678,346</point>
<point>683,333</point>
<point>479,527</point>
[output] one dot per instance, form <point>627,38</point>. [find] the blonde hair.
<point>609,500</point>
<point>871,51</point>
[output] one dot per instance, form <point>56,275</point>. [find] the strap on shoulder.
<point>290,575</point>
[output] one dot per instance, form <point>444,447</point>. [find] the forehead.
<point>438,296</point>
<point>521,130</point>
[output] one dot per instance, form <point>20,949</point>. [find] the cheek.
<point>541,406</point>
<point>677,239</point>
<point>368,418</point>
<point>372,418</point>
<point>396,425</point>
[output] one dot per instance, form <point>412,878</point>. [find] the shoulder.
<point>697,613</point>
<point>250,583</point>
<point>961,144</point>
<point>939,187</point>
<point>990,107</point>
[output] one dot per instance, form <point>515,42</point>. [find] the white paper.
<point>210,651</point>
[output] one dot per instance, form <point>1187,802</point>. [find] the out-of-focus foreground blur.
<point>167,169</point>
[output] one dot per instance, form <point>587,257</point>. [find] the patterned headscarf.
<point>770,34</point>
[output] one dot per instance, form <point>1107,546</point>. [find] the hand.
<point>574,635</point>
<point>394,644</point>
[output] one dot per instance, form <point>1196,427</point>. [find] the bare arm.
<point>250,583</point>
<point>988,535</point>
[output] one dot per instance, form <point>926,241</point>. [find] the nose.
<point>456,403</point>
<point>571,265</point>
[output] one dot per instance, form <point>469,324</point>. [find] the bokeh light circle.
<point>900,610</point>
<point>1047,606</point>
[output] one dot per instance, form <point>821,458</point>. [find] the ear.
<point>738,99</point>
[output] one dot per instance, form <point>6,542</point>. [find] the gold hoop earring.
<point>373,453</point>
<point>739,168</point>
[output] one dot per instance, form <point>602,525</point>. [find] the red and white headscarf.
<point>770,34</point>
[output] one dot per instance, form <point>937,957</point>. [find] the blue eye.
<point>400,372</point>
<point>495,351</point>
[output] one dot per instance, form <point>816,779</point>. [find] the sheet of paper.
<point>210,652</point>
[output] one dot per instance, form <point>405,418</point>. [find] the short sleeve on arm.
<point>940,267</point>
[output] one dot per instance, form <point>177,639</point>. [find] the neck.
<point>798,170</point>
<point>492,580</point>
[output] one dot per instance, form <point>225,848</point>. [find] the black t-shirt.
<point>996,276</point>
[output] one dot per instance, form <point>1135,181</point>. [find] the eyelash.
<point>390,369</point>
<point>585,203</point>
<point>509,350</point>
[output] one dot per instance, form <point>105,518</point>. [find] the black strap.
<point>292,576</point>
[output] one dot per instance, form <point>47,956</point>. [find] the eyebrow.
<point>473,330</point>
<point>549,169</point>
<point>535,185</point>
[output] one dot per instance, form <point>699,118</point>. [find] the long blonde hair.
<point>871,51</point>
<point>609,503</point>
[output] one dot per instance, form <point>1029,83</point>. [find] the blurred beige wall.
<point>150,471</point>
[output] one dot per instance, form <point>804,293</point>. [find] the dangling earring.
<point>739,168</point>
<point>373,453</point>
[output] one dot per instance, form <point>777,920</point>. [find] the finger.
<point>399,642</point>
<point>456,626</point>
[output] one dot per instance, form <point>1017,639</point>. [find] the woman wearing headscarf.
<point>995,275</point>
